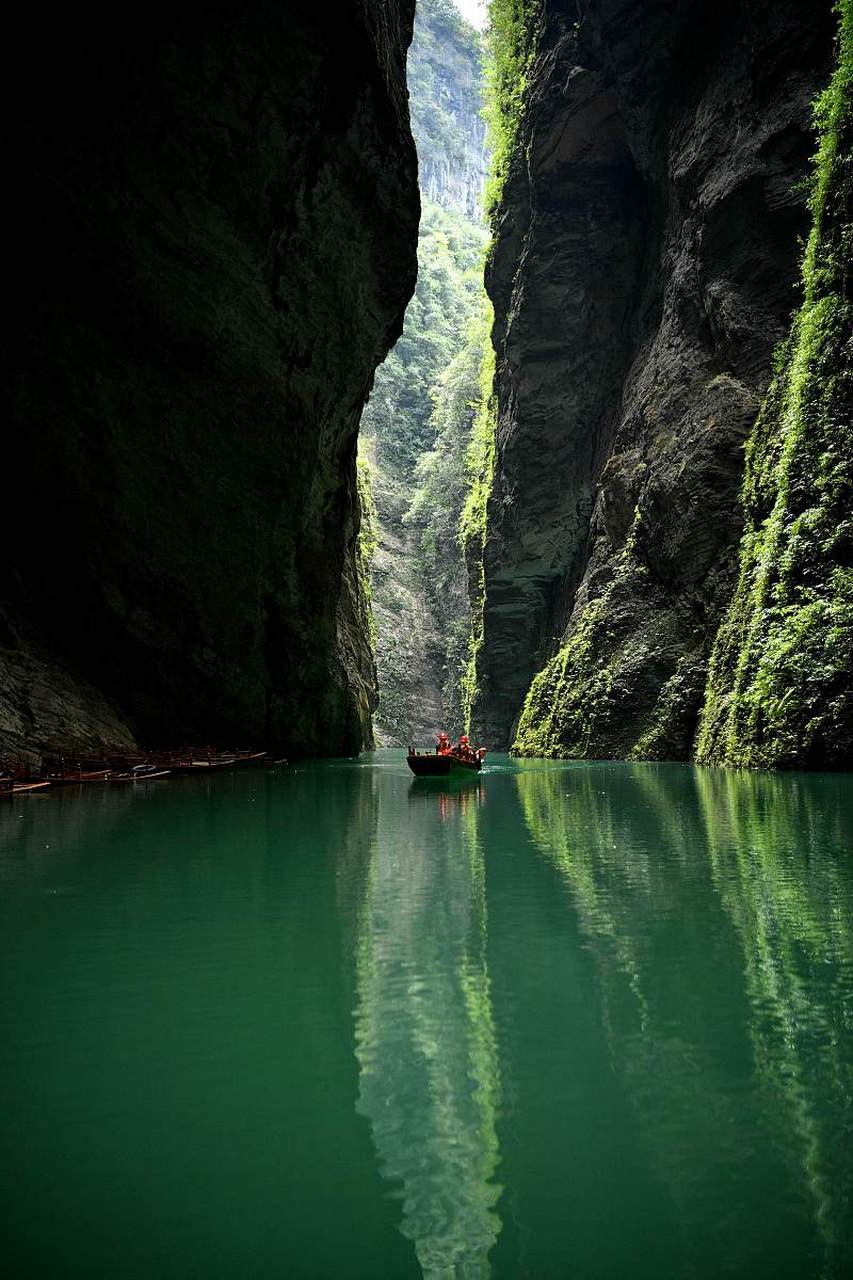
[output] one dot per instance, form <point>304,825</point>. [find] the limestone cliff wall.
<point>213,230</point>
<point>644,269</point>
<point>445,75</point>
<point>780,686</point>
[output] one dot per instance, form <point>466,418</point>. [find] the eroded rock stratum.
<point>645,268</point>
<point>213,227</point>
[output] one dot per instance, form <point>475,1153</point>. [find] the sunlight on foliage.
<point>511,44</point>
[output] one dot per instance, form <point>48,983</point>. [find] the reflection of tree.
<point>775,845</point>
<point>424,1032</point>
<point>647,862</point>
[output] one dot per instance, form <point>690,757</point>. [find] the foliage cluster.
<point>444,480</point>
<point>420,418</point>
<point>479,473</point>
<point>400,411</point>
<point>573,692</point>
<point>368,536</point>
<point>511,45</point>
<point>780,687</point>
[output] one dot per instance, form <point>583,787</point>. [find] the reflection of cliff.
<point>424,1033</point>
<point>774,846</point>
<point>710,1044</point>
<point>605,839</point>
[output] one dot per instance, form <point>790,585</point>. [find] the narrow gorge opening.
<point>420,448</point>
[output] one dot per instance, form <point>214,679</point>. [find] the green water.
<point>571,1020</point>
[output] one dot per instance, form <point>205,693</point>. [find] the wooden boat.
<point>140,773</point>
<point>425,764</point>
<point>467,764</point>
<point>11,786</point>
<point>72,777</point>
<point>205,759</point>
<point>185,765</point>
<point>72,769</point>
<point>245,757</point>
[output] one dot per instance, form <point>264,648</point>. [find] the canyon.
<point>628,537</point>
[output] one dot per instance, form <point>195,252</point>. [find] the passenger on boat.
<point>443,747</point>
<point>464,748</point>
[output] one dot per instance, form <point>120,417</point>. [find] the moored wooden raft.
<point>119,765</point>
<point>10,787</point>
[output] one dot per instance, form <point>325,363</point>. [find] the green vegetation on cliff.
<point>368,537</point>
<point>446,477</point>
<point>780,687</point>
<point>511,43</point>
<point>445,71</point>
<point>448,292</point>
<point>417,427</point>
<point>418,423</point>
<point>571,702</point>
<point>479,468</point>
<point>628,678</point>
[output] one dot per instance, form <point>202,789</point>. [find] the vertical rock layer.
<point>780,688</point>
<point>214,218</point>
<point>643,272</point>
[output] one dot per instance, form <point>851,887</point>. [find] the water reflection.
<point>775,845</point>
<point>424,1030</point>
<point>718,908</point>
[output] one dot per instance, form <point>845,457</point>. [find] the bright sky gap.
<point>474,11</point>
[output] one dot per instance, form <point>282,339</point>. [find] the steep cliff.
<point>418,419</point>
<point>643,271</point>
<point>445,82</point>
<point>214,213</point>
<point>780,688</point>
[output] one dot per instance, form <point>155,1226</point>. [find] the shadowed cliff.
<point>645,267</point>
<point>214,219</point>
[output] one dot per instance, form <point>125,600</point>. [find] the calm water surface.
<point>566,1020</point>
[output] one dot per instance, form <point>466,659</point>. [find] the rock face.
<point>445,75</point>
<point>214,220</point>
<point>643,272</point>
<point>780,687</point>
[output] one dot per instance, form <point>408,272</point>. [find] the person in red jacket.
<point>443,747</point>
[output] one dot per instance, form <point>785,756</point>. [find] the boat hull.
<point>429,766</point>
<point>465,766</point>
<point>434,766</point>
<point>136,776</point>
<point>77,777</point>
